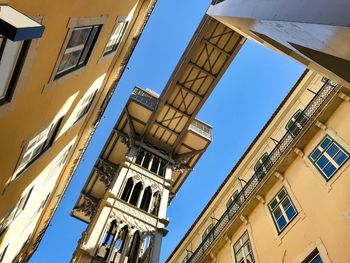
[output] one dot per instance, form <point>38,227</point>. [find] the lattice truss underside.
<point>208,55</point>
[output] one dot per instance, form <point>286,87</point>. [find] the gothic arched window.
<point>136,194</point>
<point>127,189</point>
<point>146,199</point>
<point>134,249</point>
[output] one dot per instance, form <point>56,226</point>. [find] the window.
<point>3,253</point>
<point>151,162</point>
<point>135,196</point>
<point>85,105</point>
<point>37,146</point>
<point>14,212</point>
<point>328,157</point>
<point>78,50</point>
<point>207,231</point>
<point>146,199</point>
<point>127,189</point>
<point>11,60</point>
<point>243,250</point>
<point>116,37</point>
<point>232,198</point>
<point>282,210</point>
<point>23,202</point>
<point>57,164</point>
<point>314,257</point>
<point>263,165</point>
<point>7,220</point>
<point>296,123</point>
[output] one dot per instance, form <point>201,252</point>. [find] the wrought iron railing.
<point>151,102</point>
<point>202,128</point>
<point>144,98</point>
<point>304,118</point>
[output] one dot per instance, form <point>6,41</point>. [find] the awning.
<point>17,26</point>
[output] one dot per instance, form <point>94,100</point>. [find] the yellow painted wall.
<point>37,100</point>
<point>323,207</point>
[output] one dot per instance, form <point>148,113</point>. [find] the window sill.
<point>337,174</point>
<point>54,82</point>
<point>107,57</point>
<point>281,235</point>
<point>21,174</point>
<point>327,184</point>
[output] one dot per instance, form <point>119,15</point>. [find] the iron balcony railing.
<point>144,98</point>
<point>201,128</point>
<point>304,118</point>
<point>151,102</point>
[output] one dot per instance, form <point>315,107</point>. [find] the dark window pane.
<point>325,143</point>
<point>281,222</point>
<point>286,203</point>
<point>317,259</point>
<point>340,157</point>
<point>332,150</point>
<point>315,154</point>
<point>155,164</point>
<point>139,157</point>
<point>277,213</point>
<point>290,212</point>
<point>273,204</point>
<point>322,162</point>
<point>88,46</point>
<point>329,170</point>
<point>146,160</point>
<point>78,37</point>
<point>69,61</point>
<point>281,194</point>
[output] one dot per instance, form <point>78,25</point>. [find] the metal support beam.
<point>176,109</point>
<point>211,75</point>
<point>216,47</point>
<point>189,90</point>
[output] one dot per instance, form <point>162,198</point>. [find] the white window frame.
<point>84,105</point>
<point>38,145</point>
<point>118,33</point>
<point>12,57</point>
<point>58,163</point>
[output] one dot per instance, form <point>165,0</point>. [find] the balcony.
<point>304,120</point>
<point>145,98</point>
<point>150,101</point>
<point>201,128</point>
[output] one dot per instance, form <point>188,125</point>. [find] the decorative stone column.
<point>125,246</point>
<point>165,194</point>
<point>157,243</point>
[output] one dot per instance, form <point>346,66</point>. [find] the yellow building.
<point>59,64</point>
<point>287,198</point>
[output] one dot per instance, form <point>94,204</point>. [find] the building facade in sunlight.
<point>153,147</point>
<point>287,198</point>
<point>319,39</point>
<point>59,64</point>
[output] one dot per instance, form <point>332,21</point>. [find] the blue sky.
<point>249,92</point>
